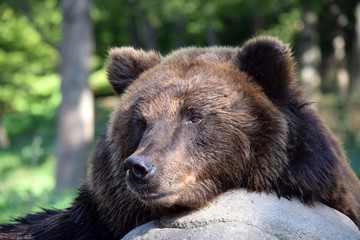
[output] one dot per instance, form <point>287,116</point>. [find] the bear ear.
<point>269,62</point>
<point>126,64</point>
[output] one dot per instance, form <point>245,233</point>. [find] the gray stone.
<point>240,215</point>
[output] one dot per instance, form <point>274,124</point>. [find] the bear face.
<point>188,129</point>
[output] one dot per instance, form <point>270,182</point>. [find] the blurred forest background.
<point>55,100</point>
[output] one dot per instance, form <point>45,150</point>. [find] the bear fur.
<point>192,125</point>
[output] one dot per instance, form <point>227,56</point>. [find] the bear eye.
<point>195,119</point>
<point>141,123</point>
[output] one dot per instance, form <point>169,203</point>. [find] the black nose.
<point>141,170</point>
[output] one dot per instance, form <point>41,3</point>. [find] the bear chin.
<point>166,197</point>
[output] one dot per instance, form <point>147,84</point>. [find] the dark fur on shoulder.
<point>80,222</point>
<point>192,125</point>
<point>317,167</point>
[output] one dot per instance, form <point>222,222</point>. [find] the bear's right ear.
<point>126,64</point>
<point>269,62</point>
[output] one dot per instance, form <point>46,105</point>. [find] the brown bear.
<point>193,125</point>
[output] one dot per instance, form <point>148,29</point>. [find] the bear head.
<point>200,121</point>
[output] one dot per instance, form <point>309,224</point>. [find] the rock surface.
<point>241,215</point>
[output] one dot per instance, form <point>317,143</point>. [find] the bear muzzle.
<point>139,170</point>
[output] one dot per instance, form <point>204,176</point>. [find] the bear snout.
<point>139,169</point>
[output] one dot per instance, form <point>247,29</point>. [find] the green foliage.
<point>27,65</point>
<point>182,22</point>
<point>26,179</point>
<point>29,97</point>
<point>99,83</point>
<point>288,27</point>
<point>27,167</point>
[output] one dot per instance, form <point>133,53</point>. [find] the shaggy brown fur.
<point>193,125</point>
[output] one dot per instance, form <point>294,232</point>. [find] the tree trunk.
<point>150,35</point>
<point>342,74</point>
<point>132,27</point>
<point>4,139</point>
<point>356,53</point>
<point>178,32</point>
<point>257,23</point>
<point>211,36</point>
<point>76,114</point>
<point>310,51</point>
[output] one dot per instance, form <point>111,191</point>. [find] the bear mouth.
<point>159,198</point>
<point>152,196</point>
<point>155,194</point>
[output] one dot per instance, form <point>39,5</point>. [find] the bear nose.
<point>140,168</point>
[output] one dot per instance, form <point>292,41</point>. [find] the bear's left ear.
<point>126,64</point>
<point>269,62</point>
